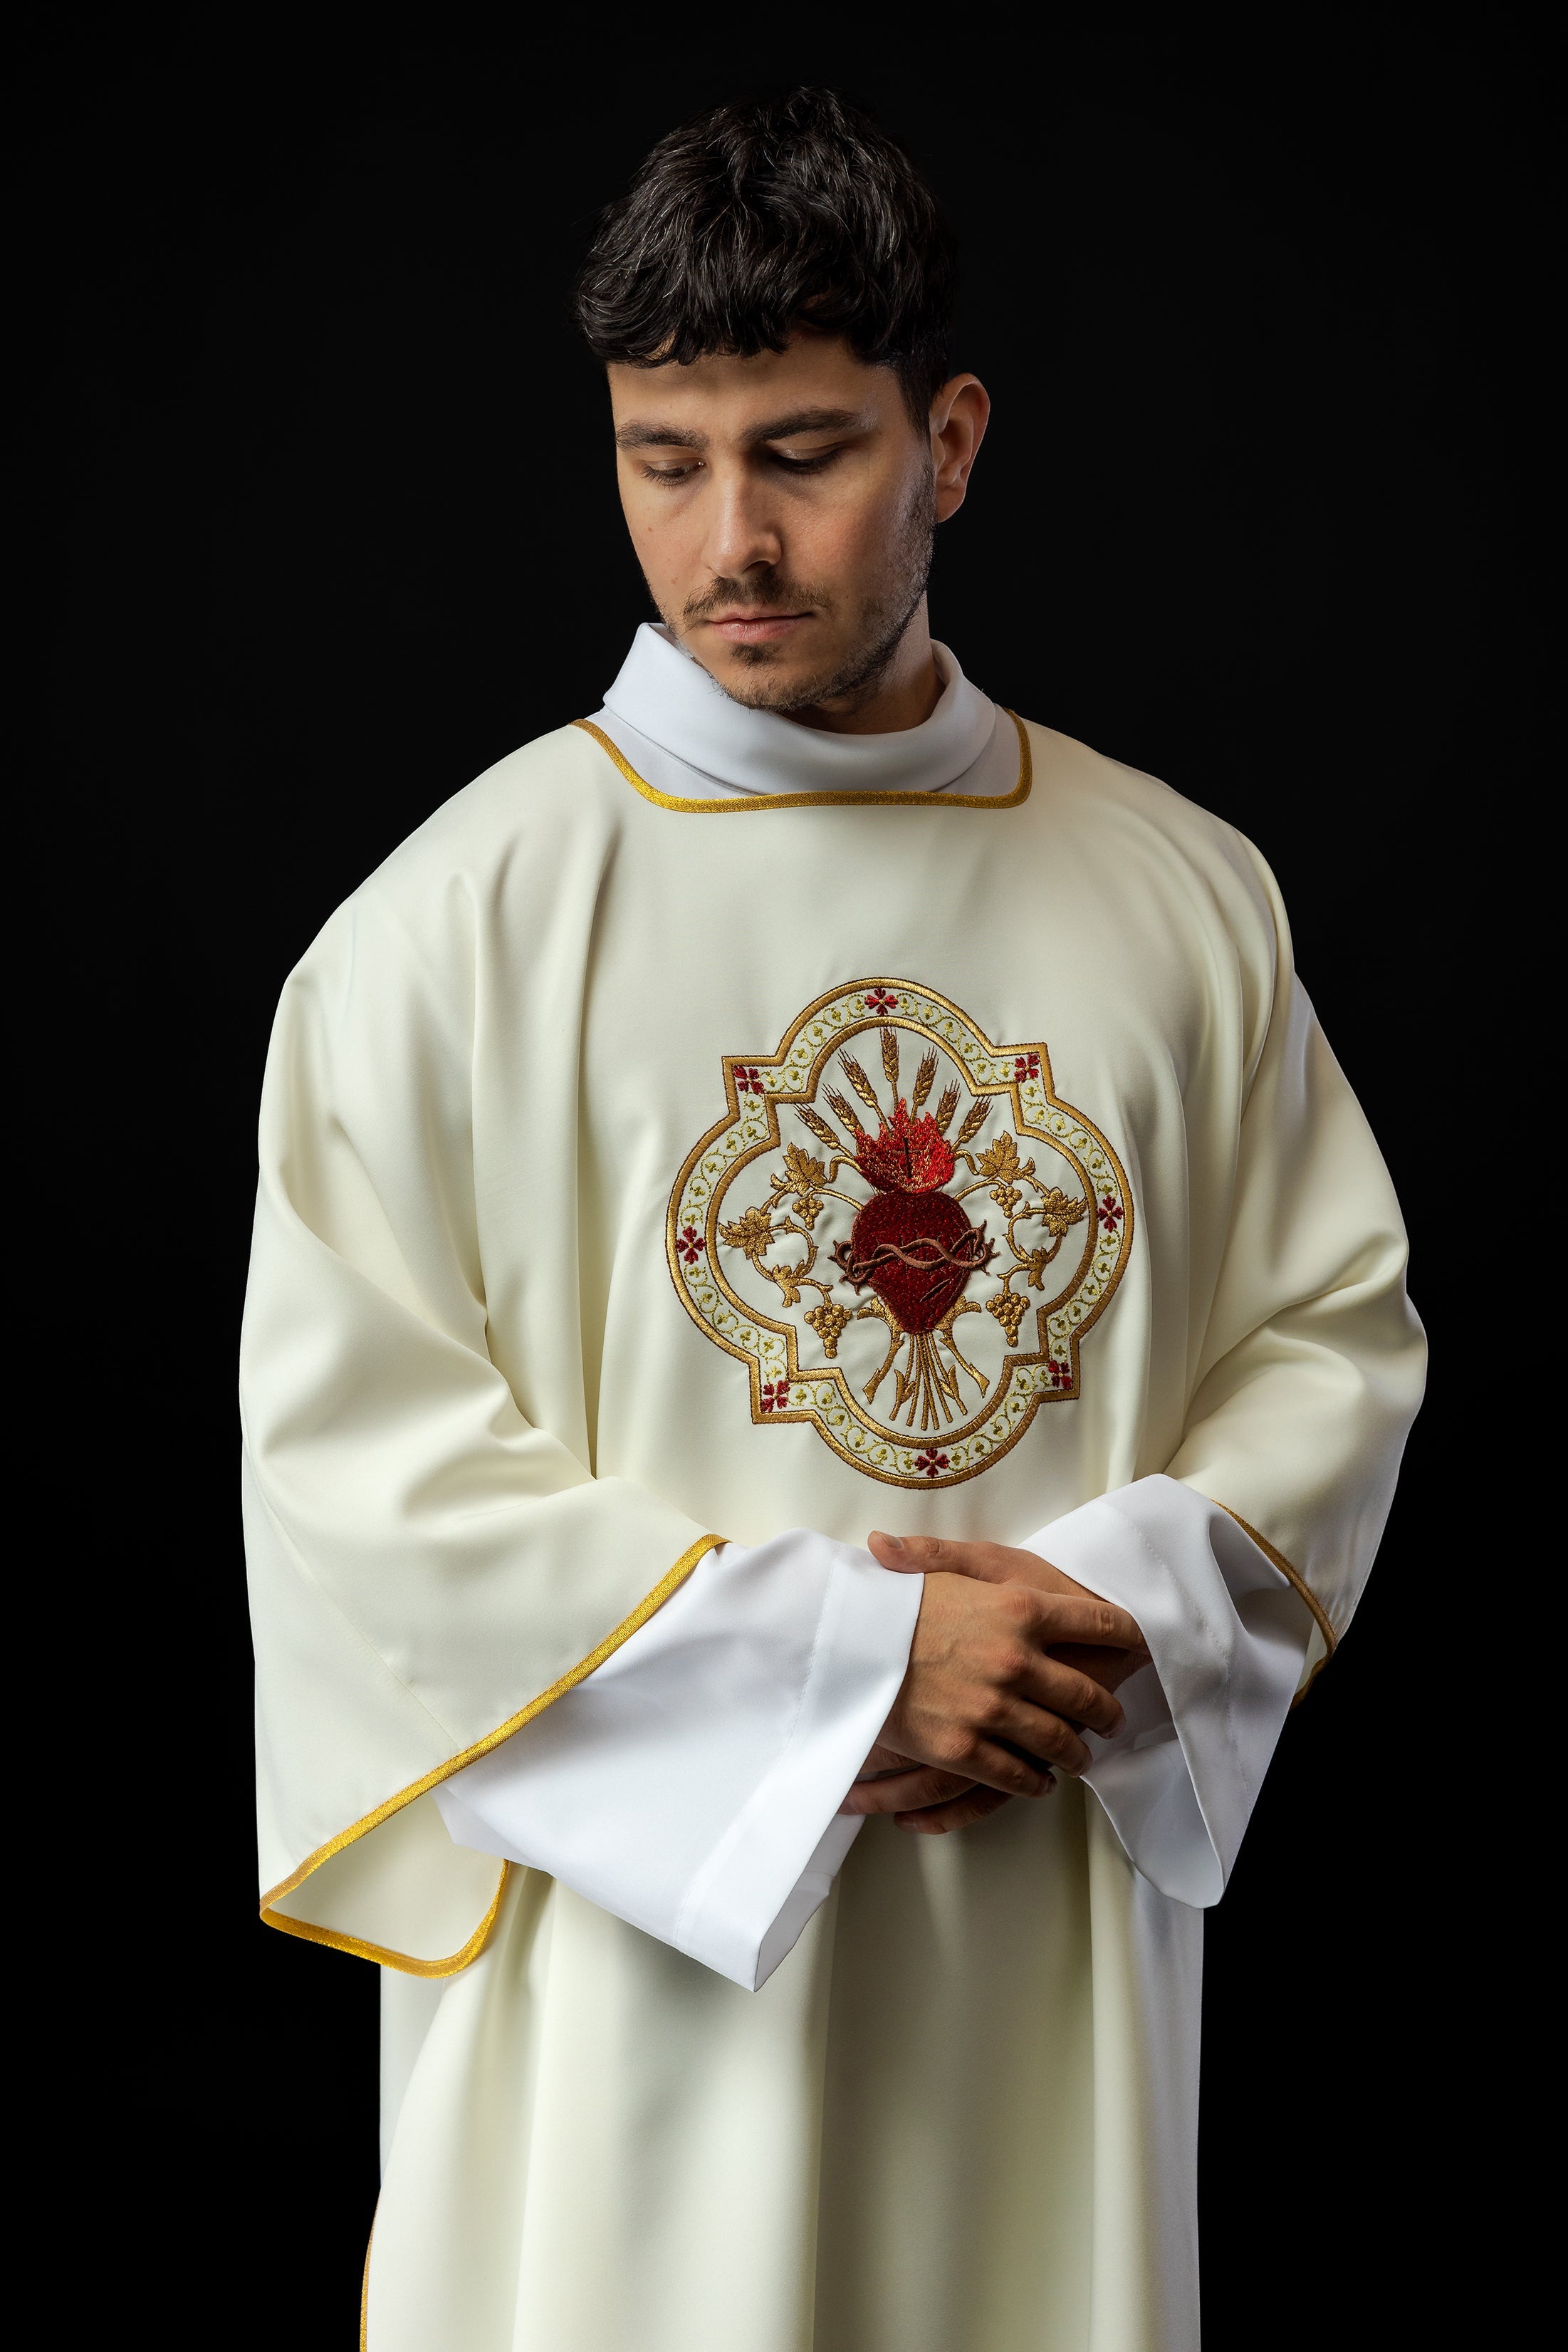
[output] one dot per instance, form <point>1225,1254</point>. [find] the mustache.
<point>767,595</point>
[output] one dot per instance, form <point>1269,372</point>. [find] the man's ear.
<point>960,415</point>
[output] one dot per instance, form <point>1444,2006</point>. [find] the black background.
<point>329,486</point>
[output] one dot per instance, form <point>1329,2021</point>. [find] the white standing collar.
<point>685,736</point>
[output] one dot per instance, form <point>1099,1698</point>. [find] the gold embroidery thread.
<point>841,1269</point>
<point>1298,1584</point>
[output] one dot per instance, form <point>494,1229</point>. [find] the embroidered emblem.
<point>822,1231</point>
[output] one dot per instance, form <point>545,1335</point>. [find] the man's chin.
<point>760,682</point>
<point>763,678</point>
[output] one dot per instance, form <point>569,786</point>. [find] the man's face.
<point>782,509</point>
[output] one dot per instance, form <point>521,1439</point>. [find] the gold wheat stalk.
<point>946,1107</point>
<point>924,1079</point>
<point>842,1109</point>
<point>889,1058</point>
<point>861,1085</point>
<point>979,1114</point>
<point>818,1127</point>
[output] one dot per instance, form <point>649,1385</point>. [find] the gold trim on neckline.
<point>743,801</point>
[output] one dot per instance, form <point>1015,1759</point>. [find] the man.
<point>879,1308</point>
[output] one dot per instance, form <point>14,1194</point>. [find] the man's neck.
<point>903,695</point>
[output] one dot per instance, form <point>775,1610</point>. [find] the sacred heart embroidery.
<point>840,1268</point>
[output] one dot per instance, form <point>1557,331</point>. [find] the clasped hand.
<point>1011,1661</point>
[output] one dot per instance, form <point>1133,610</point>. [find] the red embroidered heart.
<point>916,1251</point>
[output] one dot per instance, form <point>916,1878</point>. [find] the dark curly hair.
<point>756,219</point>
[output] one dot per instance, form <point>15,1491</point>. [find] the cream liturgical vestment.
<point>705,1140</point>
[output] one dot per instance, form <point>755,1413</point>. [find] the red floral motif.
<point>880,999</point>
<point>1111,1212</point>
<point>932,1464</point>
<point>689,1245</point>
<point>1025,1065</point>
<point>747,1082</point>
<point>1060,1377</point>
<point>775,1395</point>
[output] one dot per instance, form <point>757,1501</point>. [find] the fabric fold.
<point>1227,1635</point>
<point>685,736</point>
<point>691,1785</point>
<point>428,1559</point>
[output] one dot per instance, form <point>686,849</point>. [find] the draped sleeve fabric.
<point>691,1784</point>
<point>428,1569</point>
<point>1227,1635</point>
<point>1244,1560</point>
<point>1312,1361</point>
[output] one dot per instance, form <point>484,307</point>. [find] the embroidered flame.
<point>910,1155</point>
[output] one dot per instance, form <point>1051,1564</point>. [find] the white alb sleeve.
<point>1226,1634</point>
<point>691,1783</point>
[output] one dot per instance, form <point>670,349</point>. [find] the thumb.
<point>917,1555</point>
<point>988,1563</point>
<point>892,1552</point>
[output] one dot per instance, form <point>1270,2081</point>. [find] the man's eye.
<point>811,465</point>
<point>671,473</point>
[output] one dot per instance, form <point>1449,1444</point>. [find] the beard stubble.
<point>885,617</point>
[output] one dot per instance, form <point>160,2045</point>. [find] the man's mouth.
<point>742,628</point>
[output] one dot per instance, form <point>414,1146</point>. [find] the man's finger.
<point>1077,1697</point>
<point>935,1820</point>
<point>1044,1738</point>
<point>1109,1667</point>
<point>916,1555</point>
<point>988,1563</point>
<point>1066,1617</point>
<point>1029,1774</point>
<point>900,1793</point>
<point>1057,1616</point>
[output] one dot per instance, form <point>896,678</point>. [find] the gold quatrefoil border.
<point>769,1346</point>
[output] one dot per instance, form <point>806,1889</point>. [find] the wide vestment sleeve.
<point>428,1571</point>
<point>1312,1360</point>
<point>1243,1562</point>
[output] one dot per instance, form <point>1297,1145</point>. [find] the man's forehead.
<point>815,385</point>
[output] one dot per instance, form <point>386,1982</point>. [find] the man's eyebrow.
<point>648,434</point>
<point>663,436</point>
<point>805,420</point>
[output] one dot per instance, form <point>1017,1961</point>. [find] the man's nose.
<point>742,536</point>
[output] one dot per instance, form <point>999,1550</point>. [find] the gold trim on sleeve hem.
<point>365,2293</point>
<point>743,802</point>
<point>652,1602</point>
<point>309,1933</point>
<point>1293,1576</point>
